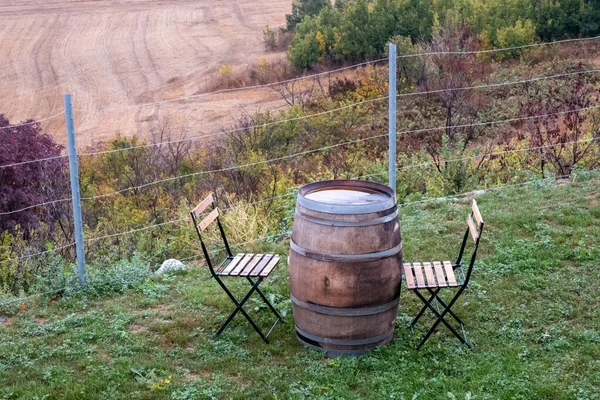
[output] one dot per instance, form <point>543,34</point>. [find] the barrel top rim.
<point>344,208</point>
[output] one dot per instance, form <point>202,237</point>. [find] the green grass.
<point>532,312</point>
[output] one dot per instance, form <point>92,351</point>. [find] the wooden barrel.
<point>345,266</point>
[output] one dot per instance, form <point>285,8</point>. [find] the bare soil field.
<point>117,53</point>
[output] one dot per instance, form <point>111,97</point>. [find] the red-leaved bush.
<point>29,184</point>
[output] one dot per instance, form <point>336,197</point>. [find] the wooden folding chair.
<point>444,275</point>
<point>244,265</point>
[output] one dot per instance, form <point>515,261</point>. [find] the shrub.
<point>269,38</point>
<point>276,40</point>
<point>304,50</point>
<point>521,34</point>
<point>28,184</point>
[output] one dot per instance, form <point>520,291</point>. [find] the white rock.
<point>171,265</point>
<point>477,193</point>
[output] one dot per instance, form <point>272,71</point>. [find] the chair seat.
<point>437,274</point>
<point>248,264</point>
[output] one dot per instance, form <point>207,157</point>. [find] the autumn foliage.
<point>26,184</point>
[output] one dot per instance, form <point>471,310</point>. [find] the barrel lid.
<point>346,197</point>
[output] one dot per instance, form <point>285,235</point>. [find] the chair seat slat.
<point>410,280</point>
<point>450,273</point>
<point>238,268</point>
<point>251,265</point>
<point>439,274</point>
<point>265,272</point>
<point>261,265</point>
<point>223,265</point>
<point>232,264</point>
<point>418,270</point>
<point>429,274</point>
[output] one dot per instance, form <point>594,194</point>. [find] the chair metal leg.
<point>439,299</point>
<point>434,295</point>
<point>266,301</point>
<point>239,306</point>
<point>414,321</point>
<point>440,318</point>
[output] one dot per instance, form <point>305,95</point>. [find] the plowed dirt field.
<point>118,53</point>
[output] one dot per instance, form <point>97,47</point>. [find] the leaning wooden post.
<point>392,116</point>
<point>74,172</point>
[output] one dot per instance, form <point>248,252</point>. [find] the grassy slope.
<point>532,312</point>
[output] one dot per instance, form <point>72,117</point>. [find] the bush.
<point>305,50</point>
<point>28,184</point>
<point>270,38</point>
<point>521,34</point>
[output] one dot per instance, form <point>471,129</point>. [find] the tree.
<point>302,9</point>
<point>558,20</point>
<point>355,37</point>
<point>414,18</point>
<point>590,18</point>
<point>32,183</point>
<point>382,25</point>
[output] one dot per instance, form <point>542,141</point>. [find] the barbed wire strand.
<point>267,124</point>
<point>237,89</point>
<point>21,299</point>
<point>497,153</point>
<point>471,192</point>
<point>32,122</point>
<point>193,138</point>
<point>268,85</point>
<point>501,84</point>
<point>34,206</point>
<point>180,220</point>
<point>291,192</point>
<point>498,122</point>
<point>175,221</point>
<point>468,52</point>
<point>423,130</point>
<point>235,167</point>
<point>334,146</point>
<point>32,161</point>
<point>334,110</point>
<point>45,252</point>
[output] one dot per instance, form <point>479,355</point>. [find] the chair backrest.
<point>474,230</point>
<point>204,223</point>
